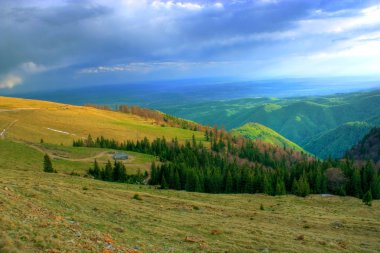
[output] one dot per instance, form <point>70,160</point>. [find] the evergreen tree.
<point>228,182</point>
<point>176,181</point>
<point>95,171</point>
<point>153,174</point>
<point>267,186</point>
<point>48,166</point>
<point>164,184</point>
<point>108,172</point>
<point>301,187</point>
<point>368,174</point>
<point>190,181</point>
<point>207,136</point>
<point>375,188</point>
<point>90,141</point>
<point>367,198</point>
<point>280,187</point>
<point>197,184</point>
<point>356,186</point>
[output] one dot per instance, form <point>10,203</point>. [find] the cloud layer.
<point>65,43</point>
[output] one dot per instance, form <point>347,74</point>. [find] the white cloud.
<point>182,5</point>
<point>218,5</point>
<point>9,81</point>
<point>31,67</point>
<point>337,22</point>
<point>144,67</point>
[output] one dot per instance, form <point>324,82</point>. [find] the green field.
<point>44,212</point>
<point>60,124</point>
<point>71,212</point>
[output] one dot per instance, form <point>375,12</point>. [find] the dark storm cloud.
<point>41,36</point>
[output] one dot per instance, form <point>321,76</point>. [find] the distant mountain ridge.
<point>308,121</point>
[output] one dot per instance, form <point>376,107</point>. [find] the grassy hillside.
<point>337,141</point>
<point>256,131</point>
<point>368,148</point>
<point>300,120</point>
<point>32,120</point>
<point>44,212</point>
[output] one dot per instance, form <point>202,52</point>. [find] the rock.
<point>203,245</point>
<point>337,225</point>
<point>192,239</point>
<point>216,232</point>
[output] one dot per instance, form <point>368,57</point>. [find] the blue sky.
<point>59,44</point>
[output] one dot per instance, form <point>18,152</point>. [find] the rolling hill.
<point>337,141</point>
<point>256,131</point>
<point>64,212</point>
<point>70,212</point>
<point>302,120</point>
<point>33,120</point>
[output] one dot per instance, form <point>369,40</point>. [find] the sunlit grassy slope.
<point>32,120</point>
<point>43,212</point>
<point>256,131</point>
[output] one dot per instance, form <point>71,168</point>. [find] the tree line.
<point>159,118</point>
<point>116,172</point>
<point>235,165</point>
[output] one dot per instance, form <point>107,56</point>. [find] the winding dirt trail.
<point>53,155</point>
<point>86,159</point>
<point>4,131</point>
<point>18,109</point>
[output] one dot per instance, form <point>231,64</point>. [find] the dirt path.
<point>18,109</point>
<point>53,155</point>
<point>4,131</point>
<point>86,159</point>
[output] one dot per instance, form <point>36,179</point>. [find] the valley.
<point>70,211</point>
<point>322,125</point>
<point>183,126</point>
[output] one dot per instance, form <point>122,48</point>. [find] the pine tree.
<point>90,141</point>
<point>375,188</point>
<point>301,187</point>
<point>48,166</point>
<point>108,172</point>
<point>356,185</point>
<point>197,184</point>
<point>228,183</point>
<point>267,186</point>
<point>206,135</point>
<point>153,174</point>
<point>176,181</point>
<point>190,181</point>
<point>164,184</point>
<point>95,171</point>
<point>367,198</point>
<point>280,187</point>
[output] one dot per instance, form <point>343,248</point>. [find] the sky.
<point>61,44</point>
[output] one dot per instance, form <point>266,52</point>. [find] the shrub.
<point>48,166</point>
<point>136,197</point>
<point>367,198</point>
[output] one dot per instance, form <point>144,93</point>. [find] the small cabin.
<point>120,156</point>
